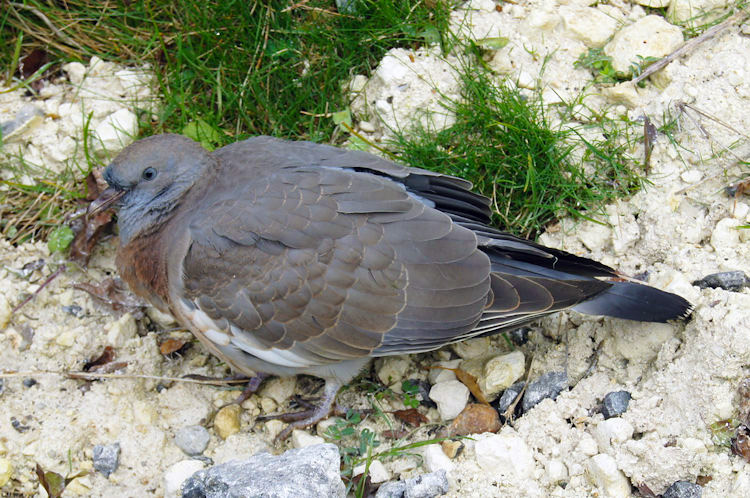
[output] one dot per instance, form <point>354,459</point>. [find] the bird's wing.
<point>312,265</point>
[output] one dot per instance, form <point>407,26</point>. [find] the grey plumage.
<point>293,257</point>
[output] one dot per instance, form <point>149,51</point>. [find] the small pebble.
<point>733,281</point>
<point>192,439</point>
<point>29,382</point>
<point>451,397</point>
<point>302,439</point>
<point>176,475</point>
<point>549,385</point>
<point>505,454</point>
<point>604,474</point>
<point>6,471</point>
<point>452,449</point>
<point>227,421</point>
<point>520,336</point>
<point>74,310</point>
<point>615,403</point>
<point>376,472</point>
<point>509,396</point>
<point>501,372</point>
<point>476,418</point>
<point>427,485</point>
<point>434,459</point>
<point>106,458</point>
<point>683,489</point>
<point>391,369</point>
<point>393,489</point>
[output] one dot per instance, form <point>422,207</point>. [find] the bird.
<point>291,257</point>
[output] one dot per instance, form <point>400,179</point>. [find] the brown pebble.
<point>476,418</point>
<point>452,448</point>
<point>227,421</point>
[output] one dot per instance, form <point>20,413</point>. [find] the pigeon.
<point>290,257</point>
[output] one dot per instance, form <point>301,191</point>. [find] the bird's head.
<point>149,178</point>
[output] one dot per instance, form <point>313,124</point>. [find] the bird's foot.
<point>309,416</point>
<point>253,383</point>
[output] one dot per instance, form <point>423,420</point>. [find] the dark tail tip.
<point>639,302</point>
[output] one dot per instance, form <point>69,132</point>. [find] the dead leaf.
<point>395,434</point>
<point>410,416</point>
<point>113,293</point>
<point>32,62</point>
<point>53,483</point>
<point>172,347</point>
<point>87,231</point>
<point>108,354</point>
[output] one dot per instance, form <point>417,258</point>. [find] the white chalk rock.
<point>279,389</point>
<point>604,474</point>
<point>501,372</point>
<point>451,397</point>
<point>391,369</point>
<point>377,472</point>
<point>725,234</point>
<point>176,475</point>
<point>591,26</point>
<point>505,454</point>
<point>612,431</point>
<point>650,36</point>
<point>434,458</point>
<point>303,439</point>
<point>115,132</point>
<point>694,11</point>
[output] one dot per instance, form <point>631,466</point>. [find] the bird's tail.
<point>636,302</point>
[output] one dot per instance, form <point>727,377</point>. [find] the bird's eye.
<point>149,174</point>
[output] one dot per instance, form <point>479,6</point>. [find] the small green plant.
<point>600,65</point>
<point>410,394</point>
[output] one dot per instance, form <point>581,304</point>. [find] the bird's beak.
<point>105,200</point>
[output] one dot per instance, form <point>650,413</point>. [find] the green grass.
<point>505,143</point>
<point>231,69</point>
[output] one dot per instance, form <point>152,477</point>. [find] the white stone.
<point>604,474</point>
<point>122,330</point>
<point>505,454</point>
<point>472,348</point>
<point>176,475</point>
<point>656,4</point>
<point>525,80</point>
<point>451,397</point>
<point>587,446</point>
<point>434,458</point>
<point>391,369</point>
<point>592,26</point>
<point>501,372</point>
<point>279,389</point>
<point>691,176</point>
<point>543,20</point>
<point>302,439</point>
<point>66,338</point>
<point>612,431</point>
<point>366,126</point>
<point>623,93</point>
<point>377,471</point>
<point>76,72</point>
<point>725,234</point>
<point>593,235</point>
<point>650,36</point>
<point>164,320</point>
<point>694,11</point>
<point>116,131</point>
<point>556,471</point>
<point>437,375</point>
<point>5,311</point>
<point>325,424</point>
